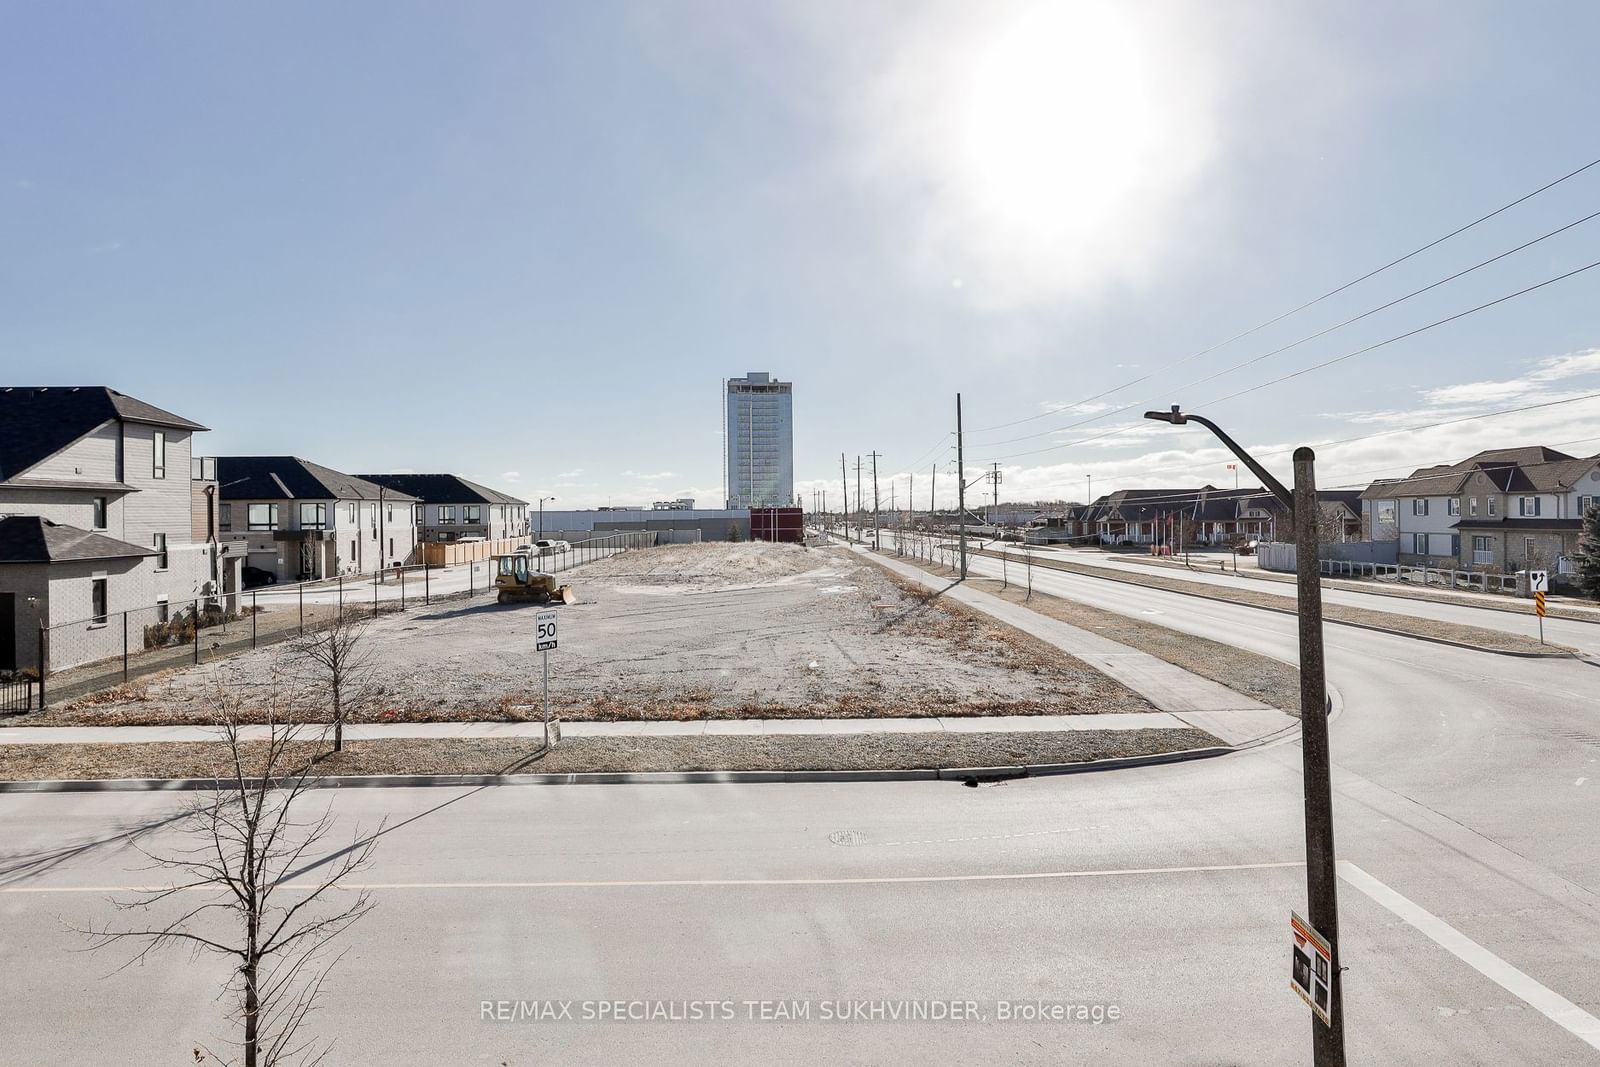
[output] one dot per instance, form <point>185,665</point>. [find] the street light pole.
<point>540,534</point>
<point>1327,1039</point>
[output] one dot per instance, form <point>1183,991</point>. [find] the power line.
<point>1329,362</point>
<point>1308,304</point>
<point>1320,333</point>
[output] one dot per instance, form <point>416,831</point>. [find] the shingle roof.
<point>442,488</point>
<point>293,478</point>
<point>38,421</point>
<point>31,539</point>
<point>1528,469</point>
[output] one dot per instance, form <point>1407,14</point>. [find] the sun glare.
<point>1060,121</point>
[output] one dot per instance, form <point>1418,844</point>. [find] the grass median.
<point>208,759</point>
<point>1410,625</point>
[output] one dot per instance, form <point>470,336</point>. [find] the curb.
<point>382,781</point>
<point>1350,585</point>
<point>1111,577</point>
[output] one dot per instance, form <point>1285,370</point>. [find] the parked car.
<point>470,537</point>
<point>548,547</point>
<point>255,576</point>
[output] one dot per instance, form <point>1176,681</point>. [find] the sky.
<point>526,242</point>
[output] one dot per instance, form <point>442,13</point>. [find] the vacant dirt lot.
<point>687,631</point>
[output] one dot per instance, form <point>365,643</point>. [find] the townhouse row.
<point>105,507</point>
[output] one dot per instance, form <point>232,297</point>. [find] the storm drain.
<point>848,837</point>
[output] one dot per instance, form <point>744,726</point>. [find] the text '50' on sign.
<point>544,631</point>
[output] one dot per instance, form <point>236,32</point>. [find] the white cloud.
<point>1552,369</point>
<point>571,474</point>
<point>649,477</point>
<point>510,476</point>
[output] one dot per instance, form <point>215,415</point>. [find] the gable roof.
<point>293,478</point>
<point>1527,469</point>
<point>442,488</point>
<point>31,539</point>
<point>36,422</point>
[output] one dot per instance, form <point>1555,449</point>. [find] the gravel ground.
<point>1472,635</point>
<point>679,632</point>
<point>1262,678</point>
<point>854,752</point>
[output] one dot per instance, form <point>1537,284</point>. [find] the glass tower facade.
<point>760,440</point>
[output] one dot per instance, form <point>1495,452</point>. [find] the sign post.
<point>1539,582</point>
<point>545,640</point>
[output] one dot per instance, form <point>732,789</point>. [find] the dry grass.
<point>1406,624</point>
<point>578,755</point>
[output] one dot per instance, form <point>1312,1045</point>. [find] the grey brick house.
<point>453,507</point>
<point>302,521</point>
<point>101,511</point>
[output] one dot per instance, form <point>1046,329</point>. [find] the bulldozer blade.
<point>567,595</point>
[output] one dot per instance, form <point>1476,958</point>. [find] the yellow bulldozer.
<point>517,579</point>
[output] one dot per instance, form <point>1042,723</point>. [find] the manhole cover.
<point>848,837</point>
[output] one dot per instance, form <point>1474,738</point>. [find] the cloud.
<point>571,474</point>
<point>510,476</point>
<point>649,477</point>
<point>104,249</point>
<point>1551,369</point>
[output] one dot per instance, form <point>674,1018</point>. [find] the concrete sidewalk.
<point>1155,720</point>
<point>1197,701</point>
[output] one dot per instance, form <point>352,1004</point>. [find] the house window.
<point>353,517</point>
<point>1455,546</point>
<point>1419,544</point>
<point>97,597</point>
<point>1419,506</point>
<point>1528,506</point>
<point>1472,506</point>
<point>352,550</point>
<point>1483,549</point>
<point>472,513</point>
<point>1452,506</point>
<point>162,614</point>
<point>263,516</point>
<point>416,514</point>
<point>159,456</point>
<point>161,551</point>
<point>391,548</point>
<point>388,512</point>
<point>1494,504</point>
<point>226,516</point>
<point>447,514</point>
<point>313,516</point>
<point>1584,504</point>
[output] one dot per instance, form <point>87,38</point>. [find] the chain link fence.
<point>86,656</point>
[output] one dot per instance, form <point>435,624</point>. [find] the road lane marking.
<point>1541,998</point>
<point>1020,876</point>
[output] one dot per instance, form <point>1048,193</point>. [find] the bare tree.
<point>242,892</point>
<point>336,659</point>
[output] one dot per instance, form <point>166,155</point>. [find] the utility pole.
<point>859,506</point>
<point>844,485</point>
<point>961,488</point>
<point>877,544</point>
<point>1322,888</point>
<point>994,474</point>
<point>1322,895</point>
<point>933,487</point>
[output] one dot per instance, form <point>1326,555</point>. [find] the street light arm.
<point>1278,489</point>
<point>1178,418</point>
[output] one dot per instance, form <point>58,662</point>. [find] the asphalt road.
<point>1466,804</point>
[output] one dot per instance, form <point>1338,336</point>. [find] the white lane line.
<point>1020,876</point>
<point>1555,1007</point>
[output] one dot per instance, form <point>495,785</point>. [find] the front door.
<point>8,631</point>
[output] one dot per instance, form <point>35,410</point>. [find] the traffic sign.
<point>545,631</point>
<point>1538,604</point>
<point>1311,969</point>
<point>1539,581</point>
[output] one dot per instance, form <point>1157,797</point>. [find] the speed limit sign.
<point>544,631</point>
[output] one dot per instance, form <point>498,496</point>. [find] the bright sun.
<point>1060,122</point>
